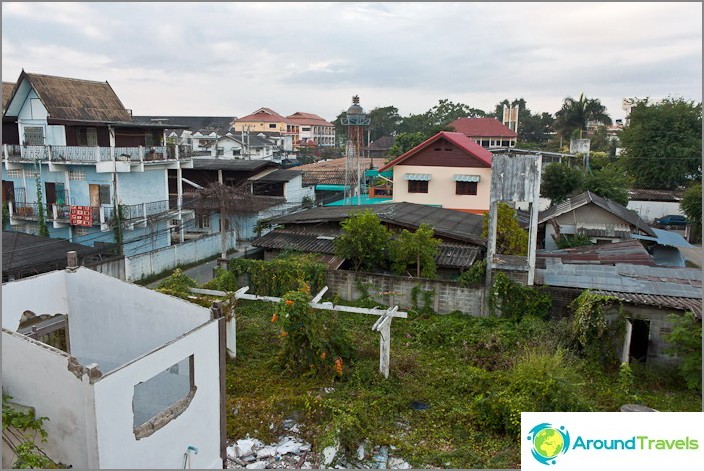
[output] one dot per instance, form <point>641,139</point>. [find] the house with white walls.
<point>247,146</point>
<point>448,170</point>
<point>128,377</point>
<point>81,167</point>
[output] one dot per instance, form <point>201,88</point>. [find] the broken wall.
<point>37,375</point>
<point>197,425</point>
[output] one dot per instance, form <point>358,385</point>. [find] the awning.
<point>417,177</point>
<point>465,178</point>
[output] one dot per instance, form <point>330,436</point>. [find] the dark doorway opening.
<point>639,340</point>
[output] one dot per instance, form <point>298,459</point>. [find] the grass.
<point>454,364</point>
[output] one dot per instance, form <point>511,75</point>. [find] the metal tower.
<point>355,120</point>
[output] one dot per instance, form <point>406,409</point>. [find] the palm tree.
<point>577,114</point>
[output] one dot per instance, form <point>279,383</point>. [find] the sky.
<point>232,58</point>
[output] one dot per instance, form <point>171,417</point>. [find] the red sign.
<point>81,216</point>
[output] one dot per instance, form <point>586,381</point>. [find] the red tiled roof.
<point>481,127</point>
<point>265,115</point>
<point>460,140</point>
<point>308,118</point>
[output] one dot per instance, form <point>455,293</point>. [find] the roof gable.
<point>479,155</point>
<point>606,204</point>
<point>265,115</point>
<point>74,99</point>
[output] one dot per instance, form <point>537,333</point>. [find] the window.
<point>415,186</point>
<point>76,175</point>
<point>272,125</point>
<point>162,398</point>
<point>87,137</point>
<point>14,173</point>
<point>34,136</point>
<point>203,221</point>
<point>221,151</point>
<point>466,188</point>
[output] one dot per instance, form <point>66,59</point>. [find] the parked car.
<point>671,220</point>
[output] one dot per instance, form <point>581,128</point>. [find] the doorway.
<point>635,348</point>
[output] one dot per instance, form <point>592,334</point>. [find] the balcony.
<point>84,155</point>
<point>132,212</point>
<point>385,191</point>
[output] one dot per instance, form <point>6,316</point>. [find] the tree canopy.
<point>364,240</point>
<point>662,145</point>
<point>417,249</point>
<point>511,238</point>
<point>576,114</point>
<point>559,181</point>
<point>532,128</point>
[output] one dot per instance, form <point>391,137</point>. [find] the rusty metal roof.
<point>682,304</point>
<point>627,251</point>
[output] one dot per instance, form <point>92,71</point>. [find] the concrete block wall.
<point>390,290</point>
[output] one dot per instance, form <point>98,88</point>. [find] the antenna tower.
<point>355,120</point>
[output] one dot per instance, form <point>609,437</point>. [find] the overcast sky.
<point>229,59</point>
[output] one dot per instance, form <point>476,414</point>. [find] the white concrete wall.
<point>294,191</point>
<point>649,210</point>
<point>36,375</point>
<point>41,294</point>
<point>441,187</point>
<point>198,425</point>
<point>143,265</point>
<point>112,322</point>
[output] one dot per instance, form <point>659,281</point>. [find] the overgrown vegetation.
<point>515,301</point>
<point>415,249</point>
<point>364,240</point>
<point>21,429</point>
<point>686,343</point>
<point>281,275</point>
<point>511,238</point>
<point>457,383</point>
<point>475,276</point>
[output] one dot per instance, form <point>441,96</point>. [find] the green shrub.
<point>686,343</point>
<point>515,301</point>
<point>224,280</point>
<point>539,380</point>
<point>596,338</point>
<point>281,275</point>
<point>475,276</point>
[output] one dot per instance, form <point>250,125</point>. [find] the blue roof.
<point>356,201</point>
<point>663,237</point>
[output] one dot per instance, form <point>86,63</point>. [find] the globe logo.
<point>548,442</point>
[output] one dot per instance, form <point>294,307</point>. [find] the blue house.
<point>81,167</point>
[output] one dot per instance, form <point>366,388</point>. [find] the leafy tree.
<point>418,248</point>
<point>686,342</point>
<point>609,182</point>
<point>511,238</point>
<point>532,128</point>
<point>364,240</point>
<point>691,203</point>
<point>576,114</point>
<point>383,122</point>
<point>691,206</point>
<point>559,181</point>
<point>662,145</point>
<point>438,118</point>
<point>405,142</point>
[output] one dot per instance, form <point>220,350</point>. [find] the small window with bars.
<point>417,186</point>
<point>466,188</point>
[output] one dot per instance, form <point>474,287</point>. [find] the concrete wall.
<point>132,320</point>
<point>141,266</point>
<point>142,187</point>
<point>649,210</point>
<point>441,187</point>
<point>198,425</point>
<point>390,290</point>
<point>36,375</point>
<point>114,268</point>
<point>41,294</point>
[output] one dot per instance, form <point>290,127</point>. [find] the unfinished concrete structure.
<point>135,381</point>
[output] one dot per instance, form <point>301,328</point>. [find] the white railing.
<point>85,154</point>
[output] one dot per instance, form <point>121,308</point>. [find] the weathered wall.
<point>390,290</point>
<point>41,294</point>
<point>37,375</point>
<point>198,425</point>
<point>140,266</point>
<point>113,267</point>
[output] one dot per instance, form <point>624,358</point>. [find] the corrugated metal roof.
<point>588,197</point>
<point>456,225</point>
<point>627,251</point>
<point>624,278</point>
<point>683,304</point>
<point>231,164</point>
<point>449,255</point>
<point>280,175</point>
<point>22,252</point>
<point>663,237</point>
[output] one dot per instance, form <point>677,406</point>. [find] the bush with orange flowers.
<point>311,342</point>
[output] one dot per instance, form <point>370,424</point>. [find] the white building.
<point>137,383</point>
